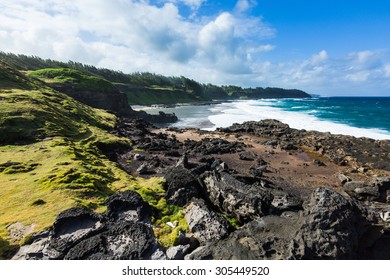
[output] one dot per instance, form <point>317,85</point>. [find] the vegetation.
<point>51,158</point>
<point>52,146</point>
<point>67,75</point>
<point>141,88</point>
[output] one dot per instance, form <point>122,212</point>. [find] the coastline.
<point>273,183</point>
<point>224,114</point>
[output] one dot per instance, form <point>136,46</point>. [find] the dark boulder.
<point>377,189</point>
<point>125,240</point>
<point>330,230</point>
<point>270,237</point>
<point>72,226</point>
<point>124,233</point>
<point>128,206</point>
<point>181,186</point>
<point>329,227</point>
<point>236,199</point>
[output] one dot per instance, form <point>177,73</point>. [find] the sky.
<point>332,47</point>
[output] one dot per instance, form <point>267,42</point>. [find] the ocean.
<point>356,116</point>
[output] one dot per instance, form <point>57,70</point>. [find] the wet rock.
<point>206,225</point>
<point>236,199</point>
<point>181,186</point>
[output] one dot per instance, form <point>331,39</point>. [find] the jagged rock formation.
<point>124,232</point>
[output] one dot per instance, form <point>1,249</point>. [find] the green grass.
<point>34,115</point>
<point>67,75</point>
<point>51,159</point>
<point>153,192</point>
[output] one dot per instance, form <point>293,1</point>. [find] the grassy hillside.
<point>50,159</point>
<point>66,75</point>
<point>145,88</point>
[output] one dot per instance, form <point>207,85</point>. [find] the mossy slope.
<point>50,158</point>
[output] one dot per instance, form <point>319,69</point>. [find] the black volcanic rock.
<point>348,152</point>
<point>235,198</point>
<point>124,233</point>
<point>125,240</point>
<point>326,229</point>
<point>128,205</point>
<point>181,186</point>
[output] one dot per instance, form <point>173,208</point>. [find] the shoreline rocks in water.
<point>242,198</point>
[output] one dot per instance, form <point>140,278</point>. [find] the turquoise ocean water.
<point>356,116</point>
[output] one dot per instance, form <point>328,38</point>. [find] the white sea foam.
<point>241,111</point>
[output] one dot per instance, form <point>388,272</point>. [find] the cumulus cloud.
<point>137,35</point>
<point>149,36</point>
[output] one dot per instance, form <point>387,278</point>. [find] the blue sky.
<point>323,47</point>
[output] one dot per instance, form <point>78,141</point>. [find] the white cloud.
<point>227,48</point>
<point>321,57</point>
<point>193,4</point>
<point>244,5</point>
<point>387,70</point>
<point>150,37</point>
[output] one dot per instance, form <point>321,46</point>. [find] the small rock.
<point>178,252</point>
<point>362,169</point>
<point>318,162</point>
<point>171,224</point>
<point>139,157</point>
<point>385,216</point>
<point>143,169</point>
<point>257,172</point>
<point>183,162</point>
<point>246,156</point>
<point>343,178</point>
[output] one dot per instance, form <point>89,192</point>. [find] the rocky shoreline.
<point>258,190</point>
